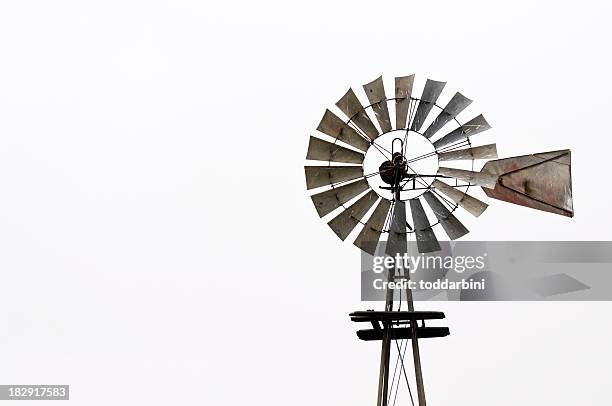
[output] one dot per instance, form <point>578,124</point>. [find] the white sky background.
<point>153,205</point>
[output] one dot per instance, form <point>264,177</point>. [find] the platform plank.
<point>403,333</point>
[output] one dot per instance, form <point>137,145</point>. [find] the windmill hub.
<point>394,170</point>
<point>418,157</point>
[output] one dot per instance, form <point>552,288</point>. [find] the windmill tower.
<point>364,173</point>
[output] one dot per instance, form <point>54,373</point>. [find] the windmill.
<point>364,168</point>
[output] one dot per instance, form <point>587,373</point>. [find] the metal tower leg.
<point>385,353</point>
<point>416,355</point>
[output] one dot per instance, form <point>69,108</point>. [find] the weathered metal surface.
<point>455,106</point>
<point>403,92</point>
<point>483,152</point>
<point>346,221</point>
<point>478,178</point>
<point>320,150</point>
<point>326,202</point>
<point>540,181</point>
<point>453,227</point>
<point>375,91</point>
<point>425,236</point>
<point>368,238</point>
<point>430,95</point>
<point>472,205</point>
<point>334,126</point>
<point>317,176</point>
<point>350,105</point>
<point>474,126</point>
<point>397,243</point>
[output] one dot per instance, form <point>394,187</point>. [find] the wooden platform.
<point>370,315</point>
<point>399,324</point>
<point>403,333</point>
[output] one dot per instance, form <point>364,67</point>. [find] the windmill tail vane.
<point>365,167</point>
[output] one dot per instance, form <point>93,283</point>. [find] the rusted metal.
<point>320,150</point>
<point>483,152</point>
<point>317,176</point>
<point>397,243</point>
<point>334,126</point>
<point>455,106</point>
<point>476,125</point>
<point>479,178</point>
<point>472,205</point>
<point>425,237</point>
<point>430,95</point>
<point>346,221</point>
<point>368,238</point>
<point>453,227</point>
<point>350,105</point>
<point>403,92</point>
<point>328,201</point>
<point>540,181</point>
<point>375,91</point>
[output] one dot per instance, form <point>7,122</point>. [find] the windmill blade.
<point>474,126</point>
<point>478,178</point>
<point>320,150</point>
<point>455,106</point>
<point>368,238</point>
<point>397,243</point>
<point>425,237</point>
<point>483,152</point>
<point>430,95</point>
<point>403,92</point>
<point>328,201</point>
<point>334,126</point>
<point>350,105</point>
<point>346,221</point>
<point>317,176</point>
<point>453,227</point>
<point>375,91</point>
<point>472,205</point>
<point>539,181</point>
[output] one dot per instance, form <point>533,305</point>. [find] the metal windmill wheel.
<point>365,168</point>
